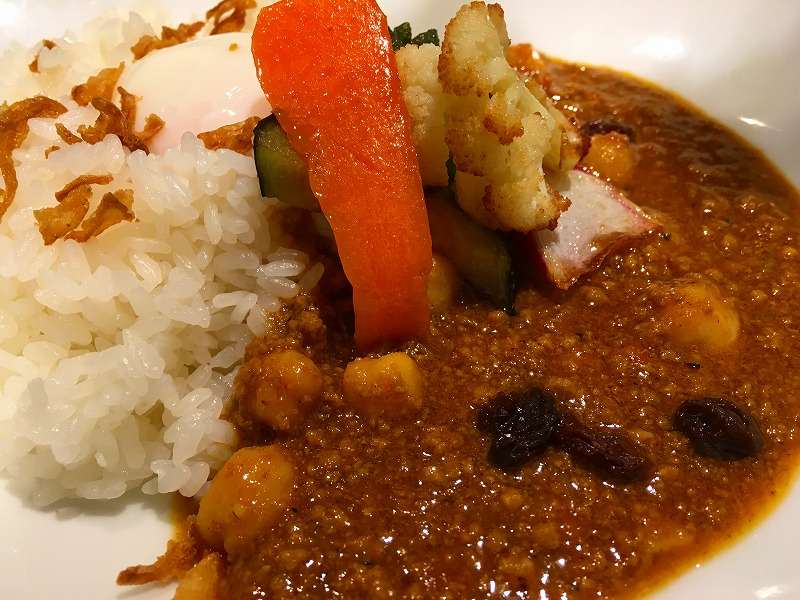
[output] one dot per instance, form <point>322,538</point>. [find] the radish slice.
<point>599,220</point>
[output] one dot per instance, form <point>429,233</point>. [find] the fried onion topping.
<point>66,135</point>
<point>98,86</point>
<point>115,207</point>
<point>13,131</point>
<point>34,66</point>
<point>169,37</point>
<point>111,120</point>
<point>67,219</point>
<point>73,203</point>
<point>229,15</point>
<point>152,123</point>
<point>182,554</point>
<point>236,136</point>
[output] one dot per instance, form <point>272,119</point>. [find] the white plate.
<point>737,60</point>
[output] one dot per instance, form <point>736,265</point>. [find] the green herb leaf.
<point>428,37</point>
<point>401,35</point>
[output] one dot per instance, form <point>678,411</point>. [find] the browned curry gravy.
<point>412,509</point>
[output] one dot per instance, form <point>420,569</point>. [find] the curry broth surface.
<point>412,509</point>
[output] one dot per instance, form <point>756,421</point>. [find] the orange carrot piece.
<point>328,69</point>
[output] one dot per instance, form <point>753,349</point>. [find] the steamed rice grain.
<point>117,355</point>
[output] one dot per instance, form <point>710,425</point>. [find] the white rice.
<point>117,356</point>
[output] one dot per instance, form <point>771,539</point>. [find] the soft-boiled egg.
<point>196,86</point>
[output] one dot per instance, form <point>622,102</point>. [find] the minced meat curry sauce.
<point>410,506</point>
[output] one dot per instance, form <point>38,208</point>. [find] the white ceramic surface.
<point>737,59</point>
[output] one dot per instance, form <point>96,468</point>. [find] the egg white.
<point>196,86</point>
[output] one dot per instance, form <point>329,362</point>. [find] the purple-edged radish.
<point>599,220</point>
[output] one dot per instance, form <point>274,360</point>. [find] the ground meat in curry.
<point>408,506</point>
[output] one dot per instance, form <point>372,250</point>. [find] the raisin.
<point>609,454</point>
<point>520,425</point>
<point>604,126</point>
<point>719,428</point>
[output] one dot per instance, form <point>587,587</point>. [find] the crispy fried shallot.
<point>127,104</point>
<point>169,37</point>
<point>13,131</point>
<point>182,554</point>
<point>229,15</point>
<point>111,120</point>
<point>55,222</point>
<point>98,86</point>
<point>62,220</point>
<point>66,135</point>
<point>82,181</point>
<point>34,66</point>
<point>236,136</point>
<point>152,123</point>
<point>115,207</point>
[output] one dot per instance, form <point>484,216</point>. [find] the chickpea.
<point>283,388</point>
<point>696,313</point>
<point>247,497</point>
<point>443,283</point>
<point>610,156</point>
<point>391,385</point>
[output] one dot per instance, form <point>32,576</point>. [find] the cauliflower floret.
<point>496,129</point>
<point>425,100</point>
<point>495,119</point>
<point>568,144</point>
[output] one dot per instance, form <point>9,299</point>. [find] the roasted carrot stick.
<point>328,69</point>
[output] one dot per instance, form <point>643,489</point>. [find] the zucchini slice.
<point>479,253</point>
<point>282,174</point>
